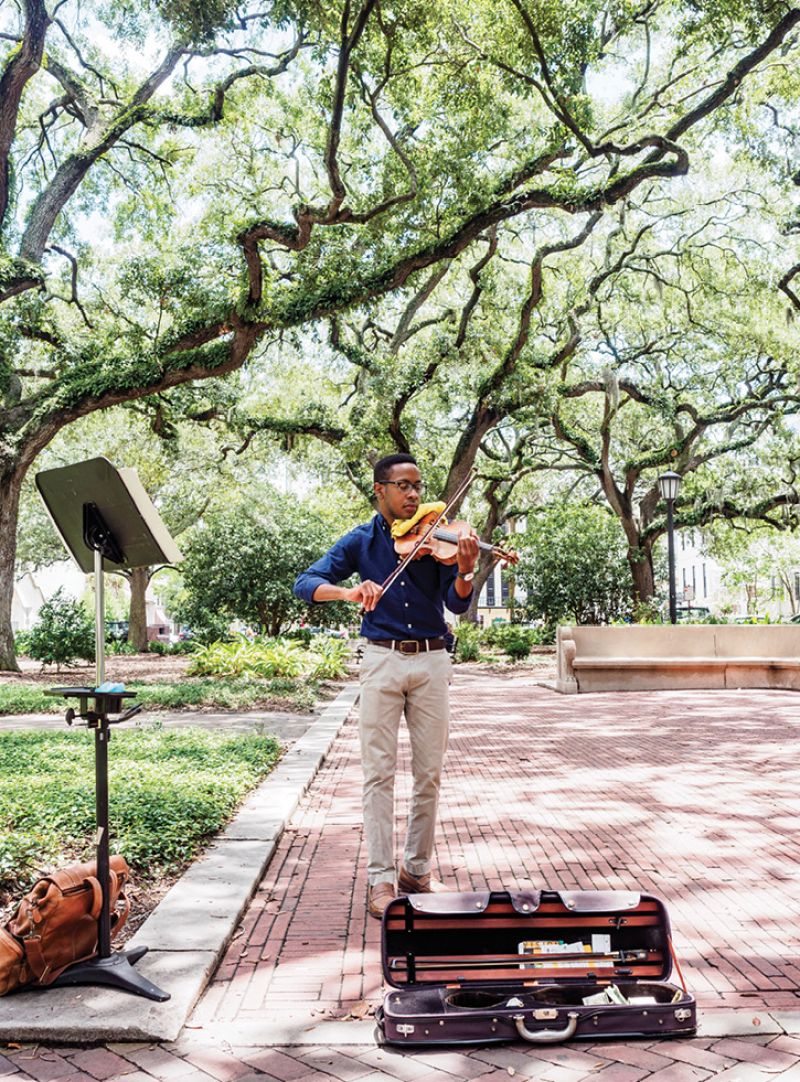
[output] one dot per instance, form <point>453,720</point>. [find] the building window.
<point>503,588</point>
<point>490,590</point>
<point>705,582</point>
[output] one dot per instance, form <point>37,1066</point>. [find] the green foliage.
<point>169,791</point>
<point>63,632</point>
<point>173,649</point>
<point>646,612</point>
<point>21,642</point>
<point>269,659</point>
<point>573,566</point>
<point>28,699</point>
<point>244,657</point>
<point>241,565</point>
<point>512,639</point>
<point>468,638</point>
<point>115,648</point>
<point>239,693</point>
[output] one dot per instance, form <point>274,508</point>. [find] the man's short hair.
<point>384,465</point>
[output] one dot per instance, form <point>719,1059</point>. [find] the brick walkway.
<point>692,796</point>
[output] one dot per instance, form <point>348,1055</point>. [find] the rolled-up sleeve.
<point>453,601</point>
<point>334,567</point>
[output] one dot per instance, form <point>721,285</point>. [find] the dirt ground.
<point>130,668</point>
<point>125,668</point>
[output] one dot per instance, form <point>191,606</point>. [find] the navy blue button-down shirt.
<point>414,606</point>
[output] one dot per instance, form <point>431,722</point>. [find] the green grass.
<point>210,692</point>
<point>169,791</point>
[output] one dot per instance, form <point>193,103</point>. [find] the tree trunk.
<point>484,569</point>
<point>10,487</point>
<point>640,560</point>
<point>137,619</point>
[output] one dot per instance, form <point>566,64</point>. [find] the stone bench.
<point>662,657</point>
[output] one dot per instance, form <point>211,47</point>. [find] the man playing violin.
<point>405,668</point>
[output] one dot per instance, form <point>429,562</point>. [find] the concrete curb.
<point>190,930</point>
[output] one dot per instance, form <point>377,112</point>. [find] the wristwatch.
<point>467,576</point>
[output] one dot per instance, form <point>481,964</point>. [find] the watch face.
<point>470,575</point>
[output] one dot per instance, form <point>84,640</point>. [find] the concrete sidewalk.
<point>691,796</point>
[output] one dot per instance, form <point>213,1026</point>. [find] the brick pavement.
<point>693,796</point>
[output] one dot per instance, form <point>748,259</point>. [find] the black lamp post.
<point>669,483</point>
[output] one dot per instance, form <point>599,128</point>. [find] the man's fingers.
<point>370,594</point>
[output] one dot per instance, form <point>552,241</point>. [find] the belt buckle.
<point>408,643</point>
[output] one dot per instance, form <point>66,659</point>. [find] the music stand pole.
<point>101,737</point>
<point>106,521</point>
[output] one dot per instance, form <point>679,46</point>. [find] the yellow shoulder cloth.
<point>401,526</point>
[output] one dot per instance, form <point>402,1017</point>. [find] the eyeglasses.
<point>406,486</point>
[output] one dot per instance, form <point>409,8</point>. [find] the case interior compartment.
<point>424,943</point>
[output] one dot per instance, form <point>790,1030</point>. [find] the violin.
<point>442,541</point>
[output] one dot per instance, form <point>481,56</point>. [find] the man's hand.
<point>367,592</point>
<point>467,555</point>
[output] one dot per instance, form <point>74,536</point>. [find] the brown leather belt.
<point>409,646</point>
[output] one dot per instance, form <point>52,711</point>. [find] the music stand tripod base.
<point>116,971</point>
<point>111,968</point>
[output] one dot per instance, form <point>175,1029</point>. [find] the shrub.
<point>63,633</point>
<point>22,642</point>
<point>512,639</point>
<point>330,657</point>
<point>261,658</point>
<point>467,642</point>
<point>115,647</point>
<point>517,641</point>
<point>170,649</point>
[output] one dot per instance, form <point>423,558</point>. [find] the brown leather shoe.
<point>418,884</point>
<point>378,897</point>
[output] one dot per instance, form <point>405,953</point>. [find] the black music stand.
<point>108,523</point>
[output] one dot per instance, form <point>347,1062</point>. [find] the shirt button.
<point>402,582</point>
<point>408,626</point>
<point>406,604</point>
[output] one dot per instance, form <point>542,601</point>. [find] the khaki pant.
<point>392,683</point>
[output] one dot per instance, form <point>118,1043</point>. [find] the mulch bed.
<point>123,668</point>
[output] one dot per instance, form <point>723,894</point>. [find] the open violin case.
<point>484,967</point>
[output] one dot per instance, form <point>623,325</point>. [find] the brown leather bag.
<point>55,925</point>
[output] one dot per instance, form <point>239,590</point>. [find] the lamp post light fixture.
<point>669,484</point>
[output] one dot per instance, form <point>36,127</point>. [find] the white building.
<point>33,588</point>
<point>698,578</point>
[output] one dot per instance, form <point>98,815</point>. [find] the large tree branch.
<point>733,79</point>
<point>67,398</point>
<point>215,109</point>
<point>477,287</point>
<point>20,68</point>
<point>298,306</point>
<point>784,285</point>
<point>404,330</point>
<point>72,171</point>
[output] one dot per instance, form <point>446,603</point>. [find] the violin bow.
<point>459,492</point>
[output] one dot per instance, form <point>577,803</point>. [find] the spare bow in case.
<point>543,966</point>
